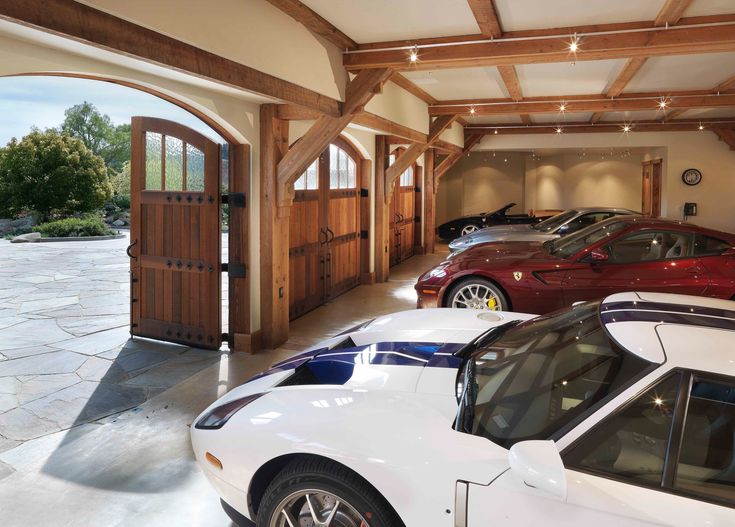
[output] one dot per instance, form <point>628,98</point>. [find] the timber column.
<point>429,218</point>
<point>382,207</point>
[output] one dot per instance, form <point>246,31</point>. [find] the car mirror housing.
<point>595,256</point>
<point>539,465</point>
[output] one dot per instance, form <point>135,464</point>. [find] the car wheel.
<point>237,518</point>
<point>322,493</point>
<point>477,293</point>
<point>469,229</point>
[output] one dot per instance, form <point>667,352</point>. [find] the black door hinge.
<point>234,199</point>
<point>417,219</point>
<point>363,193</point>
<point>417,189</point>
<point>364,235</point>
<point>234,269</point>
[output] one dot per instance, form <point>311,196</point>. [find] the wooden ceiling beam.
<point>623,104</point>
<point>412,153</point>
<point>91,26</point>
<point>512,84</point>
<point>412,88</point>
<point>325,130</point>
<point>677,40</point>
<point>448,162</point>
<point>680,125</point>
<point>314,22</point>
<point>596,117</point>
<point>487,17</point>
<point>624,77</point>
<point>727,135</point>
<point>445,147</point>
<point>725,85</point>
<point>671,12</point>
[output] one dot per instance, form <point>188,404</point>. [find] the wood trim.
<point>412,88</point>
<point>91,26</point>
<point>314,22</point>
<point>595,103</point>
<point>675,40</point>
<point>487,17</point>
<point>248,343</point>
<point>239,251</point>
<point>671,12</point>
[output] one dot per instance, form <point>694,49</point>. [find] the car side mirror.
<point>563,229</point>
<point>596,256</point>
<point>539,465</point>
<point>729,252</point>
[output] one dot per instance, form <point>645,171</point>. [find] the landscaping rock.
<point>119,223</point>
<point>31,237</point>
<point>8,226</point>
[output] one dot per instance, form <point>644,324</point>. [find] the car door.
<point>643,260</point>
<point>626,471</point>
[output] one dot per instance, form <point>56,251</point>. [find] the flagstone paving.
<point>66,357</point>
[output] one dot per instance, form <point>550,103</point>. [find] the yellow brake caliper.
<point>492,303</point>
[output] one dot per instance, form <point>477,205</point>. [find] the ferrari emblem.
<point>518,275</point>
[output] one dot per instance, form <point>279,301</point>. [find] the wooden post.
<point>382,208</point>
<point>419,247</point>
<point>429,192</point>
<point>274,231</point>
<point>366,276</point>
<point>238,243</point>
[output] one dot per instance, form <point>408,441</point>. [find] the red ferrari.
<point>625,253</point>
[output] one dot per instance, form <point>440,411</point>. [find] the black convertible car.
<point>467,224</point>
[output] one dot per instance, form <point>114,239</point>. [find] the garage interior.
<point>353,129</point>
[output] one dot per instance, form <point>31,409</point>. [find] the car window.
<point>708,246</point>
<point>706,464</point>
<point>572,244</point>
<point>586,220</point>
<point>649,246</point>
<point>631,444</point>
<point>555,222</point>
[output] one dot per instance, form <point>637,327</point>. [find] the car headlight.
<point>437,272</point>
<point>218,416</point>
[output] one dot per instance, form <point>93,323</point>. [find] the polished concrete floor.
<point>136,467</point>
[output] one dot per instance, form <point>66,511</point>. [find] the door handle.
<point>694,270</point>
<point>322,242</point>
<point>331,235</point>
<point>130,255</point>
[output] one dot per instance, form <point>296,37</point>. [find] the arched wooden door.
<point>175,255</point>
<point>404,215</point>
<point>324,254</point>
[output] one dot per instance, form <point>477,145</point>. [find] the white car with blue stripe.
<point>613,413</point>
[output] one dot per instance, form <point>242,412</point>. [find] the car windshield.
<point>572,244</point>
<point>504,208</point>
<point>539,377</point>
<point>555,222</point>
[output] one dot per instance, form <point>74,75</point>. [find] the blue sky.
<point>41,101</point>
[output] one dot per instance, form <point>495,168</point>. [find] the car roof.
<point>665,223</point>
<point>686,331</point>
<point>605,209</point>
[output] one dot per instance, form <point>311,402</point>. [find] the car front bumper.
<point>427,297</point>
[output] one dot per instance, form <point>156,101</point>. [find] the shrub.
<point>85,226</point>
<point>121,201</point>
<point>51,174</point>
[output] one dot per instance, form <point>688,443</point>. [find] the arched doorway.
<point>324,250</point>
<point>405,213</point>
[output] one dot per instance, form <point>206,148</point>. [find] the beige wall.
<point>679,151</point>
<point>480,183</point>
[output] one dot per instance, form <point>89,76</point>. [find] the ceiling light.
<point>701,127</point>
<point>558,129</point>
<point>574,44</point>
<point>414,56</point>
<point>663,103</point>
<point>472,110</point>
<point>626,128</point>
<point>562,107</point>
<point>496,131</point>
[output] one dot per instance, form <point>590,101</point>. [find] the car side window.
<point>650,246</point>
<point>708,246</point>
<point>706,465</point>
<point>586,220</point>
<point>631,444</point>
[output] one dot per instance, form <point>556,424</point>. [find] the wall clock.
<point>691,176</point>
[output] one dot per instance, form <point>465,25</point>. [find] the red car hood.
<point>506,253</point>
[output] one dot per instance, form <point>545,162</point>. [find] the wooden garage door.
<point>175,259</point>
<point>324,254</point>
<point>403,217</point>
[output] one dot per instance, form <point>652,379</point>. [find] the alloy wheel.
<point>316,508</point>
<point>469,229</point>
<point>477,296</point>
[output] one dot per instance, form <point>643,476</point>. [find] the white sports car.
<point>614,413</point>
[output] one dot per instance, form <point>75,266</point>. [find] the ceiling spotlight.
<point>562,107</point>
<point>626,128</point>
<point>472,110</point>
<point>496,131</point>
<point>663,103</point>
<point>574,44</point>
<point>558,130</point>
<point>701,127</point>
<point>414,56</point>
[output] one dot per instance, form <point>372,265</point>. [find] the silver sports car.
<point>557,226</point>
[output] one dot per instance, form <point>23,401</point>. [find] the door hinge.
<point>234,199</point>
<point>363,193</point>
<point>417,219</point>
<point>417,189</point>
<point>234,269</point>
<point>364,235</point>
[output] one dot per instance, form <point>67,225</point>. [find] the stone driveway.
<point>65,353</point>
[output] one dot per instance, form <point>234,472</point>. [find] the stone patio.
<point>66,357</point>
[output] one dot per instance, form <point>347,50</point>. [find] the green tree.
<point>120,181</point>
<point>99,134</point>
<point>51,174</point>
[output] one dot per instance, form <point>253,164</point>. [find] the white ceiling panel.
<point>378,20</point>
<point>516,15</point>
<point>561,118</point>
<point>463,83</point>
<point>707,113</point>
<point>710,7</point>
<point>565,78</point>
<point>683,72</point>
<point>493,119</point>
<point>619,117</point>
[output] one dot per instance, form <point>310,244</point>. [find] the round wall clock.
<point>691,176</point>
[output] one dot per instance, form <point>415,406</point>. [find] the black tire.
<point>326,476</point>
<point>502,300</point>
<point>237,518</point>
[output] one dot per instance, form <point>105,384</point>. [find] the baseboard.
<point>419,250</point>
<point>248,342</point>
<point>367,278</point>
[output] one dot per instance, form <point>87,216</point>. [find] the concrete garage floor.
<point>94,427</point>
